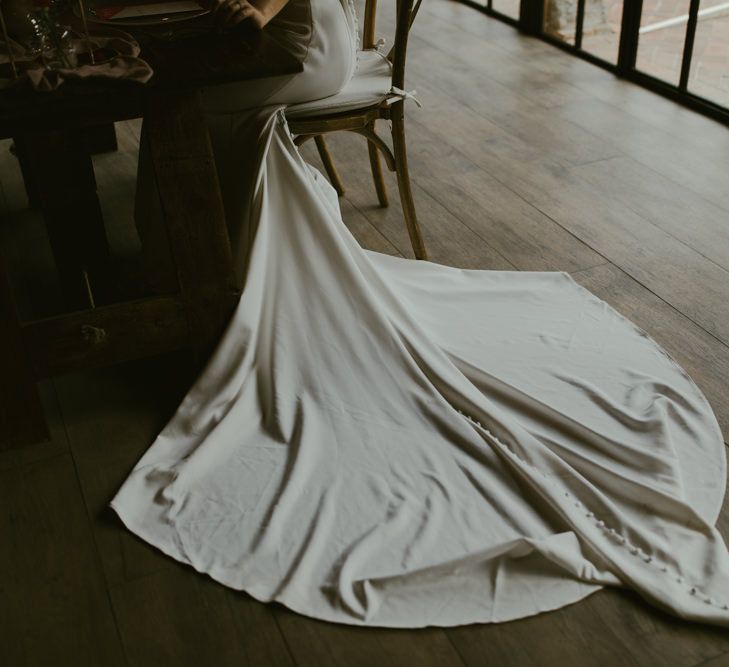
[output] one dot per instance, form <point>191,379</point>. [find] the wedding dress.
<point>381,441</point>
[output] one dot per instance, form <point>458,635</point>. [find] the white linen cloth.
<point>386,442</point>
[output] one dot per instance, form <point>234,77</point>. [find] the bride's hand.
<point>232,12</point>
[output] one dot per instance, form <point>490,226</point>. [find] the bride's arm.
<point>269,8</point>
<point>260,12</point>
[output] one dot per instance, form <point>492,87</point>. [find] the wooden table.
<point>49,126</point>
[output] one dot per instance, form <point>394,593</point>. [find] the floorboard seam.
<point>461,657</point>
<point>532,205</point>
<point>437,46</point>
<point>374,227</point>
<point>591,268</point>
<point>464,224</point>
<point>229,602</point>
<point>637,159</point>
<point>19,466</point>
<point>711,659</point>
<point>638,213</point>
<point>613,262</point>
<point>90,521</point>
<point>289,649</point>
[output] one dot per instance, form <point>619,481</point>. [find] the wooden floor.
<point>523,158</point>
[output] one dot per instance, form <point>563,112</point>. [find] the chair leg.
<point>403,181</point>
<point>376,167</point>
<point>326,158</point>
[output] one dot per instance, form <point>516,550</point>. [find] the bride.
<point>381,441</point>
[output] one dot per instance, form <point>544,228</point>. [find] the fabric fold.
<point>379,441</point>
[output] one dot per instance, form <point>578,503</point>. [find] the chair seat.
<point>370,85</point>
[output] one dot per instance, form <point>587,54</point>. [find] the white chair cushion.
<point>370,85</point>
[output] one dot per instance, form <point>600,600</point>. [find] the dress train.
<point>379,441</point>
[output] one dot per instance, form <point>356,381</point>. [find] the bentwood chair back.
<point>376,92</point>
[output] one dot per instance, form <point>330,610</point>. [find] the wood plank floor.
<point>523,158</point>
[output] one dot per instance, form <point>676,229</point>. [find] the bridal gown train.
<point>387,442</point>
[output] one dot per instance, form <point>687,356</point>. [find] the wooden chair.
<point>363,120</point>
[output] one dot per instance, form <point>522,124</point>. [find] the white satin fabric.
<point>388,442</point>
<point>370,84</point>
<point>323,35</point>
<point>324,32</point>
<point>380,441</point>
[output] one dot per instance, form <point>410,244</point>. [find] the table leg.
<point>97,139</point>
<point>21,411</point>
<point>65,188</point>
<point>100,139</point>
<point>193,210</point>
